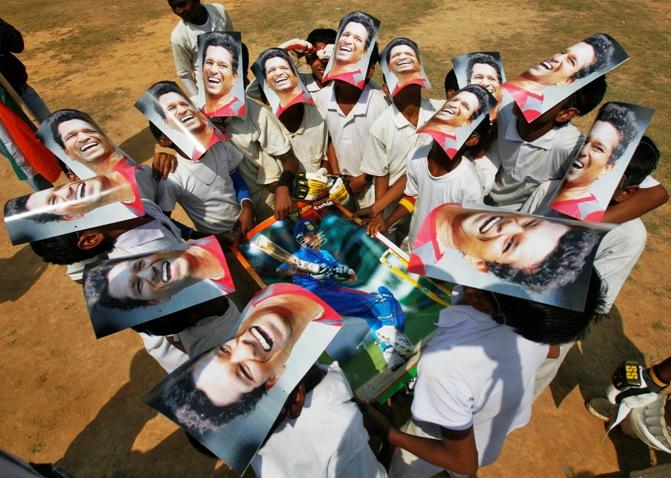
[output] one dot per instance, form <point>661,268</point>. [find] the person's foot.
<point>600,408</point>
<point>391,336</point>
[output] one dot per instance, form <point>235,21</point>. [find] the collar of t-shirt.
<point>457,314</point>
<point>159,228</point>
<point>426,111</point>
<point>544,142</point>
<point>205,169</point>
<point>361,106</point>
<point>204,28</point>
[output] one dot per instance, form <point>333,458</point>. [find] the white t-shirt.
<point>204,189</point>
<point>462,184</point>
<point>327,440</point>
<point>476,372</point>
<point>523,165</point>
<point>391,139</point>
<point>349,133</point>
<point>310,140</point>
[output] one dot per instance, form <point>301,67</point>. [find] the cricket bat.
<point>276,252</point>
<point>415,282</point>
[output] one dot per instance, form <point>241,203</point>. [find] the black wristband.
<point>286,179</point>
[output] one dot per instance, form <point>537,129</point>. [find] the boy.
<point>211,190</point>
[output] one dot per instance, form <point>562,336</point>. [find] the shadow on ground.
<point>104,447</point>
<point>19,273</point>
<point>589,368</point>
<point>140,146</point>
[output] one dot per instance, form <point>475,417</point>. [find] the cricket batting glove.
<point>337,189</point>
<point>308,186</point>
<point>341,272</point>
<point>633,387</point>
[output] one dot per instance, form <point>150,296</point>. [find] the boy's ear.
<point>622,195</point>
<point>473,140</point>
<point>564,116</point>
<point>165,142</point>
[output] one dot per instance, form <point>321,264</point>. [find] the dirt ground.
<point>73,400</point>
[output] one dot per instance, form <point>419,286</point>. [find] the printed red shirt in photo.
<point>586,209</point>
<point>531,104</point>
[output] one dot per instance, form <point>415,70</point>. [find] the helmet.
<point>307,234</point>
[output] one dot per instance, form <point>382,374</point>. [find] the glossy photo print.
<point>76,206</point>
<point>402,66</point>
<point>77,140</point>
<point>171,111</point>
<point>279,80</point>
<point>387,311</point>
<point>229,398</point>
<point>221,89</point>
<point>481,68</point>
<point>452,124</point>
<point>122,293</point>
<point>538,258</point>
<point>599,165</point>
<point>353,47</point>
<point>550,81</point>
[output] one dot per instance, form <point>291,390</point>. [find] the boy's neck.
<point>408,102</point>
<point>292,117</point>
<point>346,95</point>
<point>439,162</point>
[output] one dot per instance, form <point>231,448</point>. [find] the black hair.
<point>643,163</point>
<point>401,41</point>
<point>194,410</point>
<point>560,268</point>
<point>226,41</point>
<point>274,53</point>
<point>63,250</point>
<point>162,88</point>
<point>603,52</point>
<point>20,206</point>
<point>588,97</point>
<point>485,59</point>
<point>60,116</point>
<point>624,121</point>
<point>245,59</point>
<point>548,324</point>
<point>96,289</point>
<point>322,35</point>
<point>451,81</point>
<point>485,99</point>
<point>363,19</point>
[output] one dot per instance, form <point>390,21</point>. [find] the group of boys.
<point>492,354</point>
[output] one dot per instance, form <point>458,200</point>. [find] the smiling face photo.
<point>451,126</point>
<point>220,82</point>
<point>480,68</point>
<point>104,199</point>
<point>279,79</point>
<point>168,108</point>
<point>401,65</point>
<point>125,292</point>
<point>548,82</point>
<point>597,168</point>
<point>81,144</point>
<point>229,397</point>
<point>353,47</point>
<point>516,254</point>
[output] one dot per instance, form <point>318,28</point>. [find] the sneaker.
<point>600,408</point>
<point>393,359</point>
<point>391,336</point>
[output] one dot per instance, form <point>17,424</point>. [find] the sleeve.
<point>240,186</point>
<point>411,188</point>
<point>648,182</point>
<point>271,138</point>
<point>486,168</point>
<point>225,17</point>
<point>167,194</point>
<point>442,396</point>
<point>375,161</point>
<point>183,65</point>
<point>473,192</point>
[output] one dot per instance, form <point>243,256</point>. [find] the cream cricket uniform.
<point>327,440</point>
<point>521,166</point>
<point>349,133</point>
<point>204,189</point>
<point>259,137</point>
<point>310,141</point>
<point>462,184</point>
<point>392,138</point>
